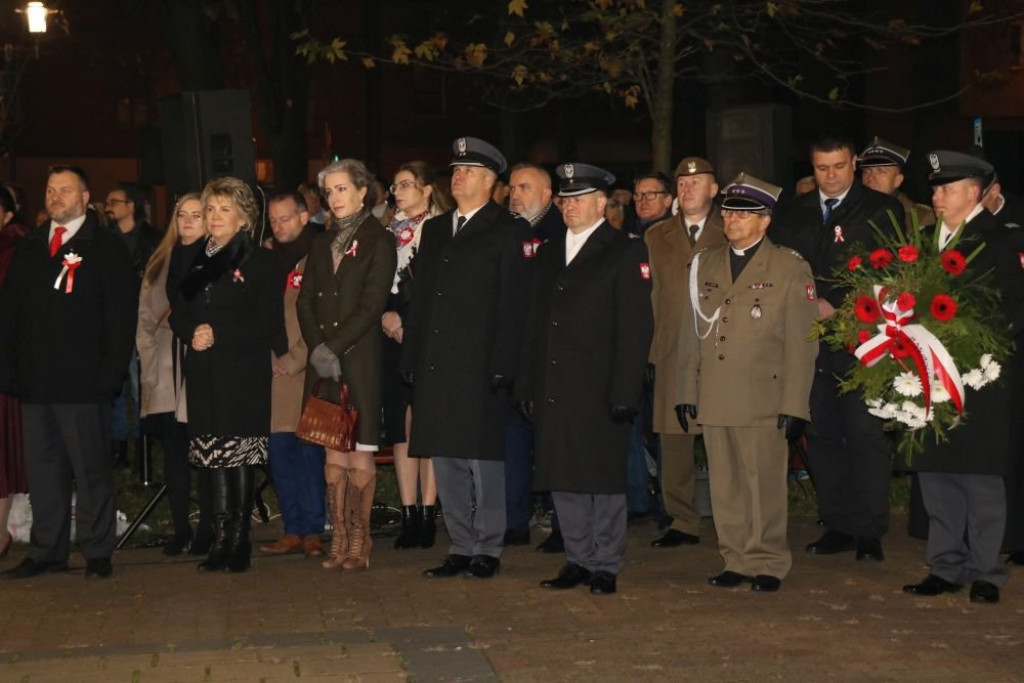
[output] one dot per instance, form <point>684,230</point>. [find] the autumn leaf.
<point>603,4</point>
<point>772,8</point>
<point>401,52</point>
<point>510,38</point>
<point>678,9</point>
<point>833,94</point>
<point>427,51</point>
<point>368,62</point>
<point>631,98</point>
<point>476,53</point>
<point>439,39</point>
<point>591,46</point>
<point>519,73</point>
<point>975,7</point>
<point>517,7</point>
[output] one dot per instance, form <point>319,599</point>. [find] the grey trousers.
<point>594,528</point>
<point>967,516</point>
<point>64,441</point>
<point>472,494</point>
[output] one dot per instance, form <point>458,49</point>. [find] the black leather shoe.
<point>831,543</point>
<point>552,544</point>
<point>932,585</point>
<point>484,566</point>
<point>453,565</point>
<point>728,579</point>
<point>762,583</point>
<point>30,568</point>
<point>517,537</point>
<point>674,538</point>
<point>569,576</point>
<point>602,583</point>
<point>984,592</point>
<point>98,568</point>
<point>870,549</point>
<point>1016,557</point>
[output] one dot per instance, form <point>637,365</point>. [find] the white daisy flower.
<point>985,360</point>
<point>907,384</point>
<point>974,379</point>
<point>991,370</point>
<point>886,412</point>
<point>939,393</point>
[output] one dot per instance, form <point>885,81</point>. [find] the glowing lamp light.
<point>36,13</point>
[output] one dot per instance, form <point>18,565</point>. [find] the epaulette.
<point>633,236</point>
<point>794,252</point>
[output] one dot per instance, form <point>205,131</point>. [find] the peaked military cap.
<point>577,179</point>
<point>477,152</point>
<point>747,193</point>
<point>694,166</point>
<point>882,153</point>
<point>948,166</point>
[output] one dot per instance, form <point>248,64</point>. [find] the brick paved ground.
<point>287,619</point>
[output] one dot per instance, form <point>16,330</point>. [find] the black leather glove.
<point>409,377</point>
<point>682,410</point>
<point>793,427</point>
<point>650,373</point>
<point>500,382</point>
<point>621,413</point>
<point>526,410</point>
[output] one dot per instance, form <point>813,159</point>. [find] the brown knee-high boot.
<point>362,484</point>
<point>337,482</point>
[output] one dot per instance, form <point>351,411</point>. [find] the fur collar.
<point>206,270</point>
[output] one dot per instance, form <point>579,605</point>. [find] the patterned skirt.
<point>227,451</point>
<point>12,460</point>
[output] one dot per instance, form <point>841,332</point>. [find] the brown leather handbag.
<point>332,425</point>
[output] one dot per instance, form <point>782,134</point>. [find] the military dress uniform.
<point>747,360</point>
<point>671,245</point>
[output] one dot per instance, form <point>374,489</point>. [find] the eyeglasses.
<point>283,219</point>
<point>184,217</point>
<point>404,185</point>
<point>648,196</point>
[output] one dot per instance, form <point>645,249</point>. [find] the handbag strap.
<point>342,391</point>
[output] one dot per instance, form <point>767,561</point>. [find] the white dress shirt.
<point>574,242</point>
<point>72,226</point>
<point>700,227</point>
<point>469,217</point>
<point>946,233</point>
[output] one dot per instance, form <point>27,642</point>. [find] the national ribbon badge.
<point>69,265</point>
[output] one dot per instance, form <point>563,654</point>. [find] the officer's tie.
<point>459,224</point>
<point>691,232</point>
<point>830,206</point>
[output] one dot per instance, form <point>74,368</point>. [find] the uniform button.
<point>728,301</point>
<point>434,330</point>
<point>431,367</point>
<point>725,320</point>
<point>554,323</point>
<point>722,338</point>
<point>437,292</point>
<point>444,260</point>
<point>561,288</point>
<point>335,324</point>
<point>554,362</point>
<point>721,356</point>
<point>319,293</point>
<point>551,399</point>
<point>321,327</point>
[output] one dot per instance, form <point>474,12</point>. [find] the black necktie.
<point>692,232</point>
<point>459,224</point>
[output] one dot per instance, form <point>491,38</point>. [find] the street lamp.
<point>35,14</point>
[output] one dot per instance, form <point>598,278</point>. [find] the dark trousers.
<point>849,457</point>
<point>594,529</point>
<point>297,469</point>
<point>177,472</point>
<point>641,441</point>
<point>518,474</point>
<point>967,514</point>
<point>65,441</point>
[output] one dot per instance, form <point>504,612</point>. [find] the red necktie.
<point>58,240</point>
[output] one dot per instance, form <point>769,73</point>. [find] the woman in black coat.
<point>349,273</point>
<point>228,307</point>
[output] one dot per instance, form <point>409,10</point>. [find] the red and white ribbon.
<point>930,356</point>
<point>838,230</point>
<point>70,265</point>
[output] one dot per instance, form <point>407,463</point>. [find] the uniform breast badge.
<point>755,311</point>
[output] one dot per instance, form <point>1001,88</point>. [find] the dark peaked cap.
<point>576,179</point>
<point>477,152</point>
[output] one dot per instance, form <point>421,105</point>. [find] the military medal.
<point>755,311</point>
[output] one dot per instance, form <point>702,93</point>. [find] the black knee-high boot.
<point>241,481</point>
<point>219,503</point>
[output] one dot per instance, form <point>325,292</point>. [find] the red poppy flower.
<point>943,307</point>
<point>953,261</point>
<point>907,253</point>
<point>854,263</point>
<point>866,309</point>
<point>899,349</point>
<point>905,301</point>
<point>880,258</point>
<point>864,336</point>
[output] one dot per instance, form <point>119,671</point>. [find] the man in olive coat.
<point>748,364</point>
<point>961,479</point>
<point>588,334</point>
<point>672,243</point>
<point>461,351</point>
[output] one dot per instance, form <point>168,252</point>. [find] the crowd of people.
<point>514,338</point>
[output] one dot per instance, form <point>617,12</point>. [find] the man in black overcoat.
<point>588,334</point>
<point>461,351</point>
<point>961,479</point>
<point>848,454</point>
<point>68,315</point>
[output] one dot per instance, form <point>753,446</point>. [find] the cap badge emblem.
<point>461,144</point>
<point>569,171</point>
<point>691,166</point>
<point>933,159</point>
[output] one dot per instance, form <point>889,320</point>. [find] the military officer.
<point>461,351</point>
<point>588,333</point>
<point>961,479</point>
<point>671,244</point>
<point>747,364</point>
<point>882,164</point>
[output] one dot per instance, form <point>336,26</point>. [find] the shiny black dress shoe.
<point>98,568</point>
<point>569,576</point>
<point>831,543</point>
<point>870,549</point>
<point>932,585</point>
<point>1016,557</point>
<point>602,583</point>
<point>453,565</point>
<point>30,568</point>
<point>552,544</point>
<point>484,566</point>
<point>984,592</point>
<point>517,537</point>
<point>728,579</point>
<point>674,538</point>
<point>762,583</point>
